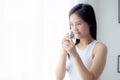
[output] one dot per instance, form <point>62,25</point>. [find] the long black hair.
<point>86,12</point>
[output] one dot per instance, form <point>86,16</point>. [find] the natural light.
<point>56,25</point>
<point>30,37</point>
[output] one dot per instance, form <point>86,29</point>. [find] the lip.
<point>77,32</point>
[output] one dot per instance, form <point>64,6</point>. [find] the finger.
<point>65,47</point>
<point>71,41</point>
<point>66,35</point>
<point>66,43</point>
<point>66,38</point>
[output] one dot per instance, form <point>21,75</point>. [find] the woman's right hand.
<point>63,50</point>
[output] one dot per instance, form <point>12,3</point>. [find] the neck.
<point>85,41</point>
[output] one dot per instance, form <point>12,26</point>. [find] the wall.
<point>108,32</point>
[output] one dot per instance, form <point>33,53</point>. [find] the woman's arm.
<point>61,67</point>
<point>98,63</point>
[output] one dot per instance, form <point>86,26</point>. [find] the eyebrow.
<point>76,21</point>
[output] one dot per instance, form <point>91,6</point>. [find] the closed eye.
<point>78,23</point>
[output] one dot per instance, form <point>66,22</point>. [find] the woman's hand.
<point>68,45</point>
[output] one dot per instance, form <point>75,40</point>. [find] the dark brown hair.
<point>86,12</point>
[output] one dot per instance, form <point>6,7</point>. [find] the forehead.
<point>75,18</point>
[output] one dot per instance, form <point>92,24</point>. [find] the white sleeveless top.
<point>86,57</point>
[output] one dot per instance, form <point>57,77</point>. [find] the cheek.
<point>85,31</point>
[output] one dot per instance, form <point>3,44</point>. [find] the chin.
<point>77,37</point>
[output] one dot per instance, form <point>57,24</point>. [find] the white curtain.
<point>30,37</point>
<point>21,39</point>
<point>56,25</point>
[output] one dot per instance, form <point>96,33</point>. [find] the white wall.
<point>108,32</point>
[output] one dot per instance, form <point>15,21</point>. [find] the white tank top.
<point>86,57</point>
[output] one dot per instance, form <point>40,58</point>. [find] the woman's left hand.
<point>69,45</point>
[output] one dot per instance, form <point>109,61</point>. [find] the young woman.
<point>85,59</point>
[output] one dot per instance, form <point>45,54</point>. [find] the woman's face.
<point>79,27</point>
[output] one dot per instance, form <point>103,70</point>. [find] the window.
<point>56,25</point>
<point>30,37</point>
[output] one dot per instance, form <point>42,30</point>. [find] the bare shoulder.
<point>100,46</point>
<point>100,49</point>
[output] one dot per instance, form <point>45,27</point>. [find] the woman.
<point>85,59</point>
